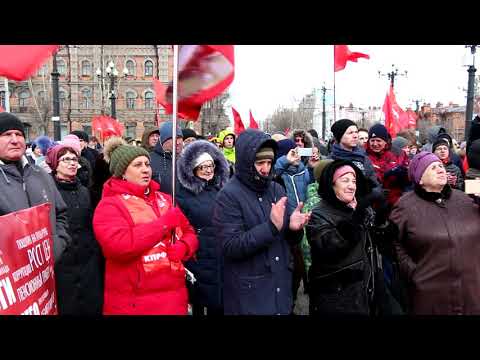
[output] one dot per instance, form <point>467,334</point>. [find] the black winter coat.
<point>196,198</point>
<point>161,163</point>
<point>79,273</point>
<point>257,260</point>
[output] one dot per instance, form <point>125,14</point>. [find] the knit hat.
<point>399,142</point>
<point>9,121</point>
<point>166,131</point>
<point>44,143</point>
<point>473,155</point>
<point>379,131</point>
<point>72,141</point>
<point>187,133</point>
<point>201,159</point>
<point>265,153</point>
<point>120,155</point>
<point>339,127</point>
<point>342,170</point>
<point>318,169</point>
<point>284,146</point>
<point>52,155</point>
<point>419,164</point>
<point>82,135</point>
<point>440,141</point>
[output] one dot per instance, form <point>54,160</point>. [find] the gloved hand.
<point>375,196</point>
<point>177,251</point>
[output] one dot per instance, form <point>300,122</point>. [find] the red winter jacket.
<point>131,287</point>
<point>396,180</point>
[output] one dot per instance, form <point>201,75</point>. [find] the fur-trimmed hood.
<point>307,138</point>
<point>187,178</point>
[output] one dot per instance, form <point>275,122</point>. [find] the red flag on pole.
<point>239,127</point>
<point>204,71</point>
<point>253,123</point>
<point>396,119</point>
<point>107,126</point>
<point>342,54</point>
<point>19,62</point>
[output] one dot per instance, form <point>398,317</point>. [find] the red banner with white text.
<point>27,283</point>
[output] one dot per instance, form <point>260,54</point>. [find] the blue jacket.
<point>257,259</point>
<point>196,198</point>
<point>296,179</point>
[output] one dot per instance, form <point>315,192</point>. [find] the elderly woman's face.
<point>345,187</point>
<point>139,171</point>
<point>205,170</point>
<point>434,177</point>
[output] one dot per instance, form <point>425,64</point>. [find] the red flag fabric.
<point>396,119</point>
<point>253,123</point>
<point>204,71</point>
<point>286,131</point>
<point>342,54</point>
<point>27,282</point>
<point>106,126</point>
<point>2,109</point>
<point>186,112</point>
<point>19,62</point>
<point>239,127</point>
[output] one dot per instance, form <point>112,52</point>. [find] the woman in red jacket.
<point>134,223</point>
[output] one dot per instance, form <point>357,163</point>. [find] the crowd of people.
<point>361,224</point>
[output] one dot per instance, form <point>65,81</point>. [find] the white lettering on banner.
<point>48,306</point>
<point>29,287</point>
<point>24,271</point>
<point>46,249</point>
<point>24,242</point>
<point>6,287</point>
<point>35,255</point>
<point>154,257</point>
<point>42,298</point>
<point>4,269</point>
<point>40,234</point>
<point>46,274</point>
<point>32,310</point>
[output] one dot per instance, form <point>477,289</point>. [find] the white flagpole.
<point>174,118</point>
<point>7,96</point>
<point>334,94</point>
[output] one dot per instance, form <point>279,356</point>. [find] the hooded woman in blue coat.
<point>202,172</point>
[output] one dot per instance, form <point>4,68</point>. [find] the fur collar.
<point>187,178</point>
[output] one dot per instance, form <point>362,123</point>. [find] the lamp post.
<point>471,89</point>
<point>393,74</point>
<point>112,75</point>
<point>56,100</point>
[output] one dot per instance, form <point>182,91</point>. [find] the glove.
<point>376,196</point>
<point>177,251</point>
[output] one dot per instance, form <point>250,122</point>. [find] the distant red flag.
<point>342,54</point>
<point>204,71</point>
<point>239,127</point>
<point>107,126</point>
<point>19,62</point>
<point>253,123</point>
<point>396,119</point>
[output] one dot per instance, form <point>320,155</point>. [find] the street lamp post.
<point>392,75</point>
<point>112,74</point>
<point>56,100</point>
<point>470,91</point>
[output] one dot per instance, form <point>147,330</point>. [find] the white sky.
<point>267,76</point>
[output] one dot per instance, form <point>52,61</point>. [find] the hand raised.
<point>299,219</point>
<point>277,213</point>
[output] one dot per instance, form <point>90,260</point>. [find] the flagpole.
<point>174,118</point>
<point>7,95</point>
<point>334,95</point>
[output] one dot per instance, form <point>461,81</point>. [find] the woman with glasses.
<point>79,273</point>
<point>202,172</point>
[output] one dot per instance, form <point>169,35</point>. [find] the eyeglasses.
<point>69,160</point>
<point>206,167</point>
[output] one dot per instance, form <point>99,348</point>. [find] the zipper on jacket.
<point>24,186</point>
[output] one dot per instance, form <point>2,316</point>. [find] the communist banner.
<point>27,283</point>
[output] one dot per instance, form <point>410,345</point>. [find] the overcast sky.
<point>272,75</point>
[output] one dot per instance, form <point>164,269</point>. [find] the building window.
<point>86,98</point>
<point>23,98</point>
<point>43,71</point>
<point>42,99</point>
<point>2,99</point>
<point>131,131</point>
<point>149,100</point>
<point>131,100</point>
<point>86,68</point>
<point>148,68</point>
<point>61,67</point>
<point>130,65</point>
<point>62,96</point>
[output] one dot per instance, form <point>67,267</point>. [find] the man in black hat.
<point>88,153</point>
<point>24,185</point>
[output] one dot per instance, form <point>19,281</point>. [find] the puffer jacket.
<point>437,248</point>
<point>257,259</point>
<point>295,178</point>
<point>30,187</point>
<point>161,162</point>
<point>130,288</point>
<point>196,198</point>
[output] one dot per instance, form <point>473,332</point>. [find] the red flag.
<point>342,54</point>
<point>2,109</point>
<point>19,62</point>
<point>204,71</point>
<point>107,126</point>
<point>187,112</point>
<point>253,123</point>
<point>239,127</point>
<point>396,119</point>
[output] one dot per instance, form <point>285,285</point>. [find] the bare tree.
<point>213,115</point>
